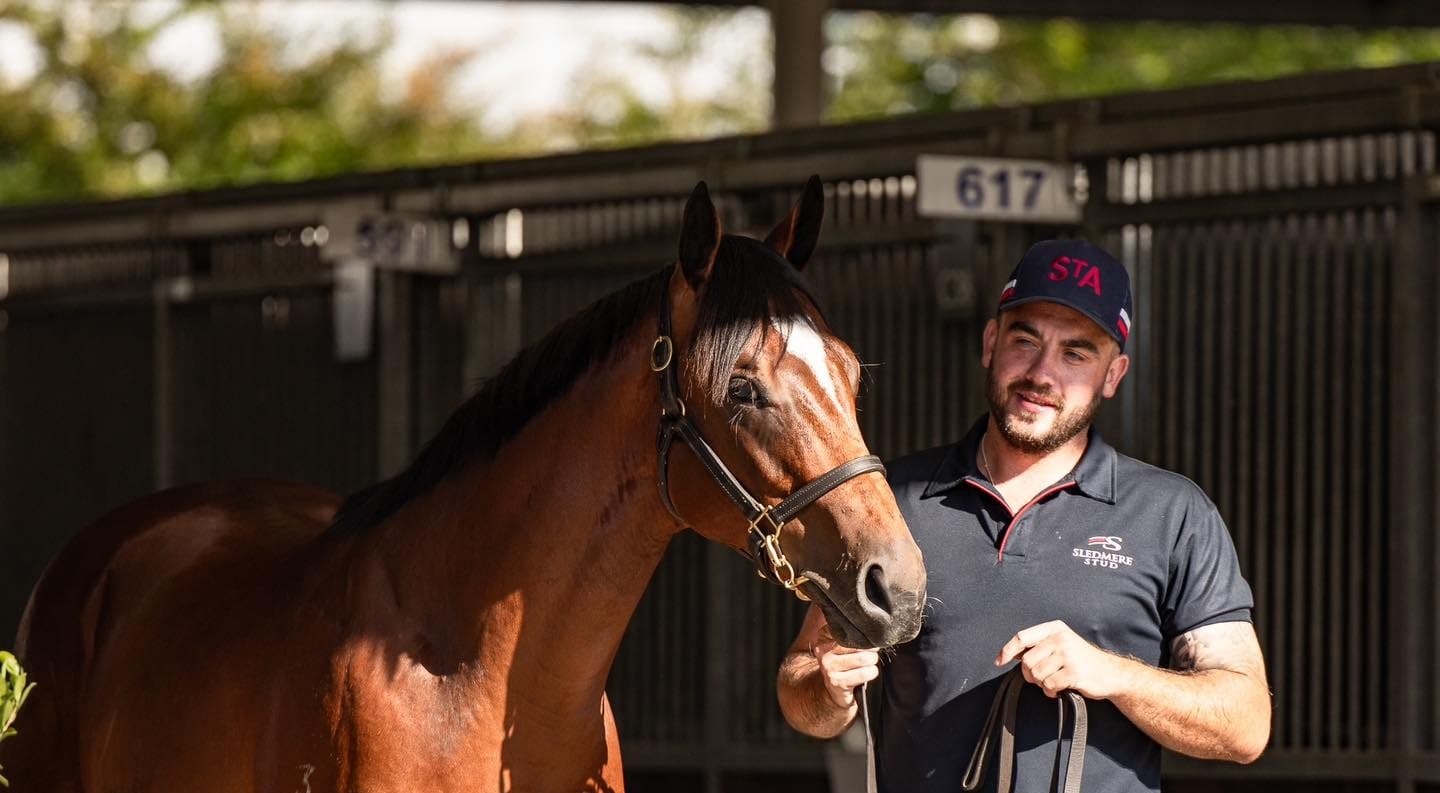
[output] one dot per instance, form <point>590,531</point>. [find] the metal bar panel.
<point>1244,524</point>
<point>163,390</point>
<point>1430,250</point>
<point>901,264</point>
<point>1355,516</point>
<point>1203,391</point>
<point>1304,549</point>
<point>1412,334</point>
<point>1314,435</point>
<point>1331,502</point>
<point>395,346</point>
<point>1268,533</point>
<point>1379,661</point>
<point>1181,333</point>
<point>1223,327</point>
<point>1288,695</point>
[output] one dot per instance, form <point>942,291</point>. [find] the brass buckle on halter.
<point>661,354</point>
<point>783,570</point>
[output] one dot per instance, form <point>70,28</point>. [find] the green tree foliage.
<point>13,692</point>
<point>100,119</point>
<point>890,64</point>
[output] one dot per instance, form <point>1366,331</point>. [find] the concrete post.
<point>799,27</point>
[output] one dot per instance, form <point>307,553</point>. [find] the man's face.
<point>1049,368</point>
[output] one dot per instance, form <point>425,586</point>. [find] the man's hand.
<point>817,680</point>
<point>843,669</point>
<point>1214,705</point>
<point>1055,658</point>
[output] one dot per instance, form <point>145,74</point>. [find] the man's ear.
<point>796,236</point>
<point>1115,373</point>
<point>699,237</point>
<point>987,350</point>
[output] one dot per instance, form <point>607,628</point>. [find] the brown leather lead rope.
<point>870,784</point>
<point>1004,711</point>
<point>1003,715</point>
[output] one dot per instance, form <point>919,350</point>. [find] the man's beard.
<point>1014,430</point>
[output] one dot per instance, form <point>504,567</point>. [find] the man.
<point>1046,548</point>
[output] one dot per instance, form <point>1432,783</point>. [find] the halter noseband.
<point>764,541</point>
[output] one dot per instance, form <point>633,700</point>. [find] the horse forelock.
<point>751,290</point>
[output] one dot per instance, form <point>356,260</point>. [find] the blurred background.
<point>111,99</point>
<point>284,239</point>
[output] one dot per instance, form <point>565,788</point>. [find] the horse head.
<point>762,395</point>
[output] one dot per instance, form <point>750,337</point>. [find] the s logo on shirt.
<point>1109,558</point>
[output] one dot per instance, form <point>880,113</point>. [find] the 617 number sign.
<point>995,188</point>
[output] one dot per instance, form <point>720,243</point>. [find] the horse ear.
<point>699,237</point>
<point>797,234</point>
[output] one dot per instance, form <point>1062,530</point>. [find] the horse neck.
<point>534,560</point>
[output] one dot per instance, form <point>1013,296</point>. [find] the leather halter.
<point>764,540</point>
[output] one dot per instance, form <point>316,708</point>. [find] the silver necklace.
<point>985,462</point>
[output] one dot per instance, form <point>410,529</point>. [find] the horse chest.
<point>404,730</point>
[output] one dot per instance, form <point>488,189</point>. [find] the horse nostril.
<point>875,590</point>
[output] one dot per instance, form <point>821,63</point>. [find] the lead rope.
<point>870,784</point>
<point>1003,714</point>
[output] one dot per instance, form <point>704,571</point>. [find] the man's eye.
<point>743,390</point>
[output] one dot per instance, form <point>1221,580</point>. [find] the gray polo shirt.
<point>1128,555</point>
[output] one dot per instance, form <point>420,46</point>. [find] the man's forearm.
<point>1216,714</point>
<point>804,701</point>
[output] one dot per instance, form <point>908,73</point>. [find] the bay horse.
<point>452,628</point>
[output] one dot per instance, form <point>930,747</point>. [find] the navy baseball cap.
<point>1077,274</point>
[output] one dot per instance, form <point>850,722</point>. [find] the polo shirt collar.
<point>1094,475</point>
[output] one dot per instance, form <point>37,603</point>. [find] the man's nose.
<point>1042,368</point>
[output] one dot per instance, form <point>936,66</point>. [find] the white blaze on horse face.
<point>807,345</point>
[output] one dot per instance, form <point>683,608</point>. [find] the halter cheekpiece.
<point>766,520</point>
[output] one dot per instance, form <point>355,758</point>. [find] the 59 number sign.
<point>997,189</point>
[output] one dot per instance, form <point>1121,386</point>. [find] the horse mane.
<point>749,285</point>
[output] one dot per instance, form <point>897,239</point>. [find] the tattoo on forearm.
<point>1227,645</point>
<point>1184,652</point>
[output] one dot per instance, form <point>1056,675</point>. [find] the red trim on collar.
<point>1015,516</point>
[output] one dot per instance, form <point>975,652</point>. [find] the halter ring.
<point>661,354</point>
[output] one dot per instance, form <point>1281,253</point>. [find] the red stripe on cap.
<point>1124,329</point>
<point>1006,294</point>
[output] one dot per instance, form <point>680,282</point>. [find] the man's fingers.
<point>1048,675</point>
<point>850,678</point>
<point>1026,639</point>
<point>1016,647</point>
<point>1010,651</point>
<point>1044,668</point>
<point>843,650</point>
<point>839,661</point>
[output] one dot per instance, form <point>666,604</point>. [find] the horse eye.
<point>742,389</point>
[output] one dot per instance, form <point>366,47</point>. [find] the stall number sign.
<point>992,188</point>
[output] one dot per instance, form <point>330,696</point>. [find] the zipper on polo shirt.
<point>1015,518</point>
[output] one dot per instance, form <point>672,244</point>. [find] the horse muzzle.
<point>878,605</point>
